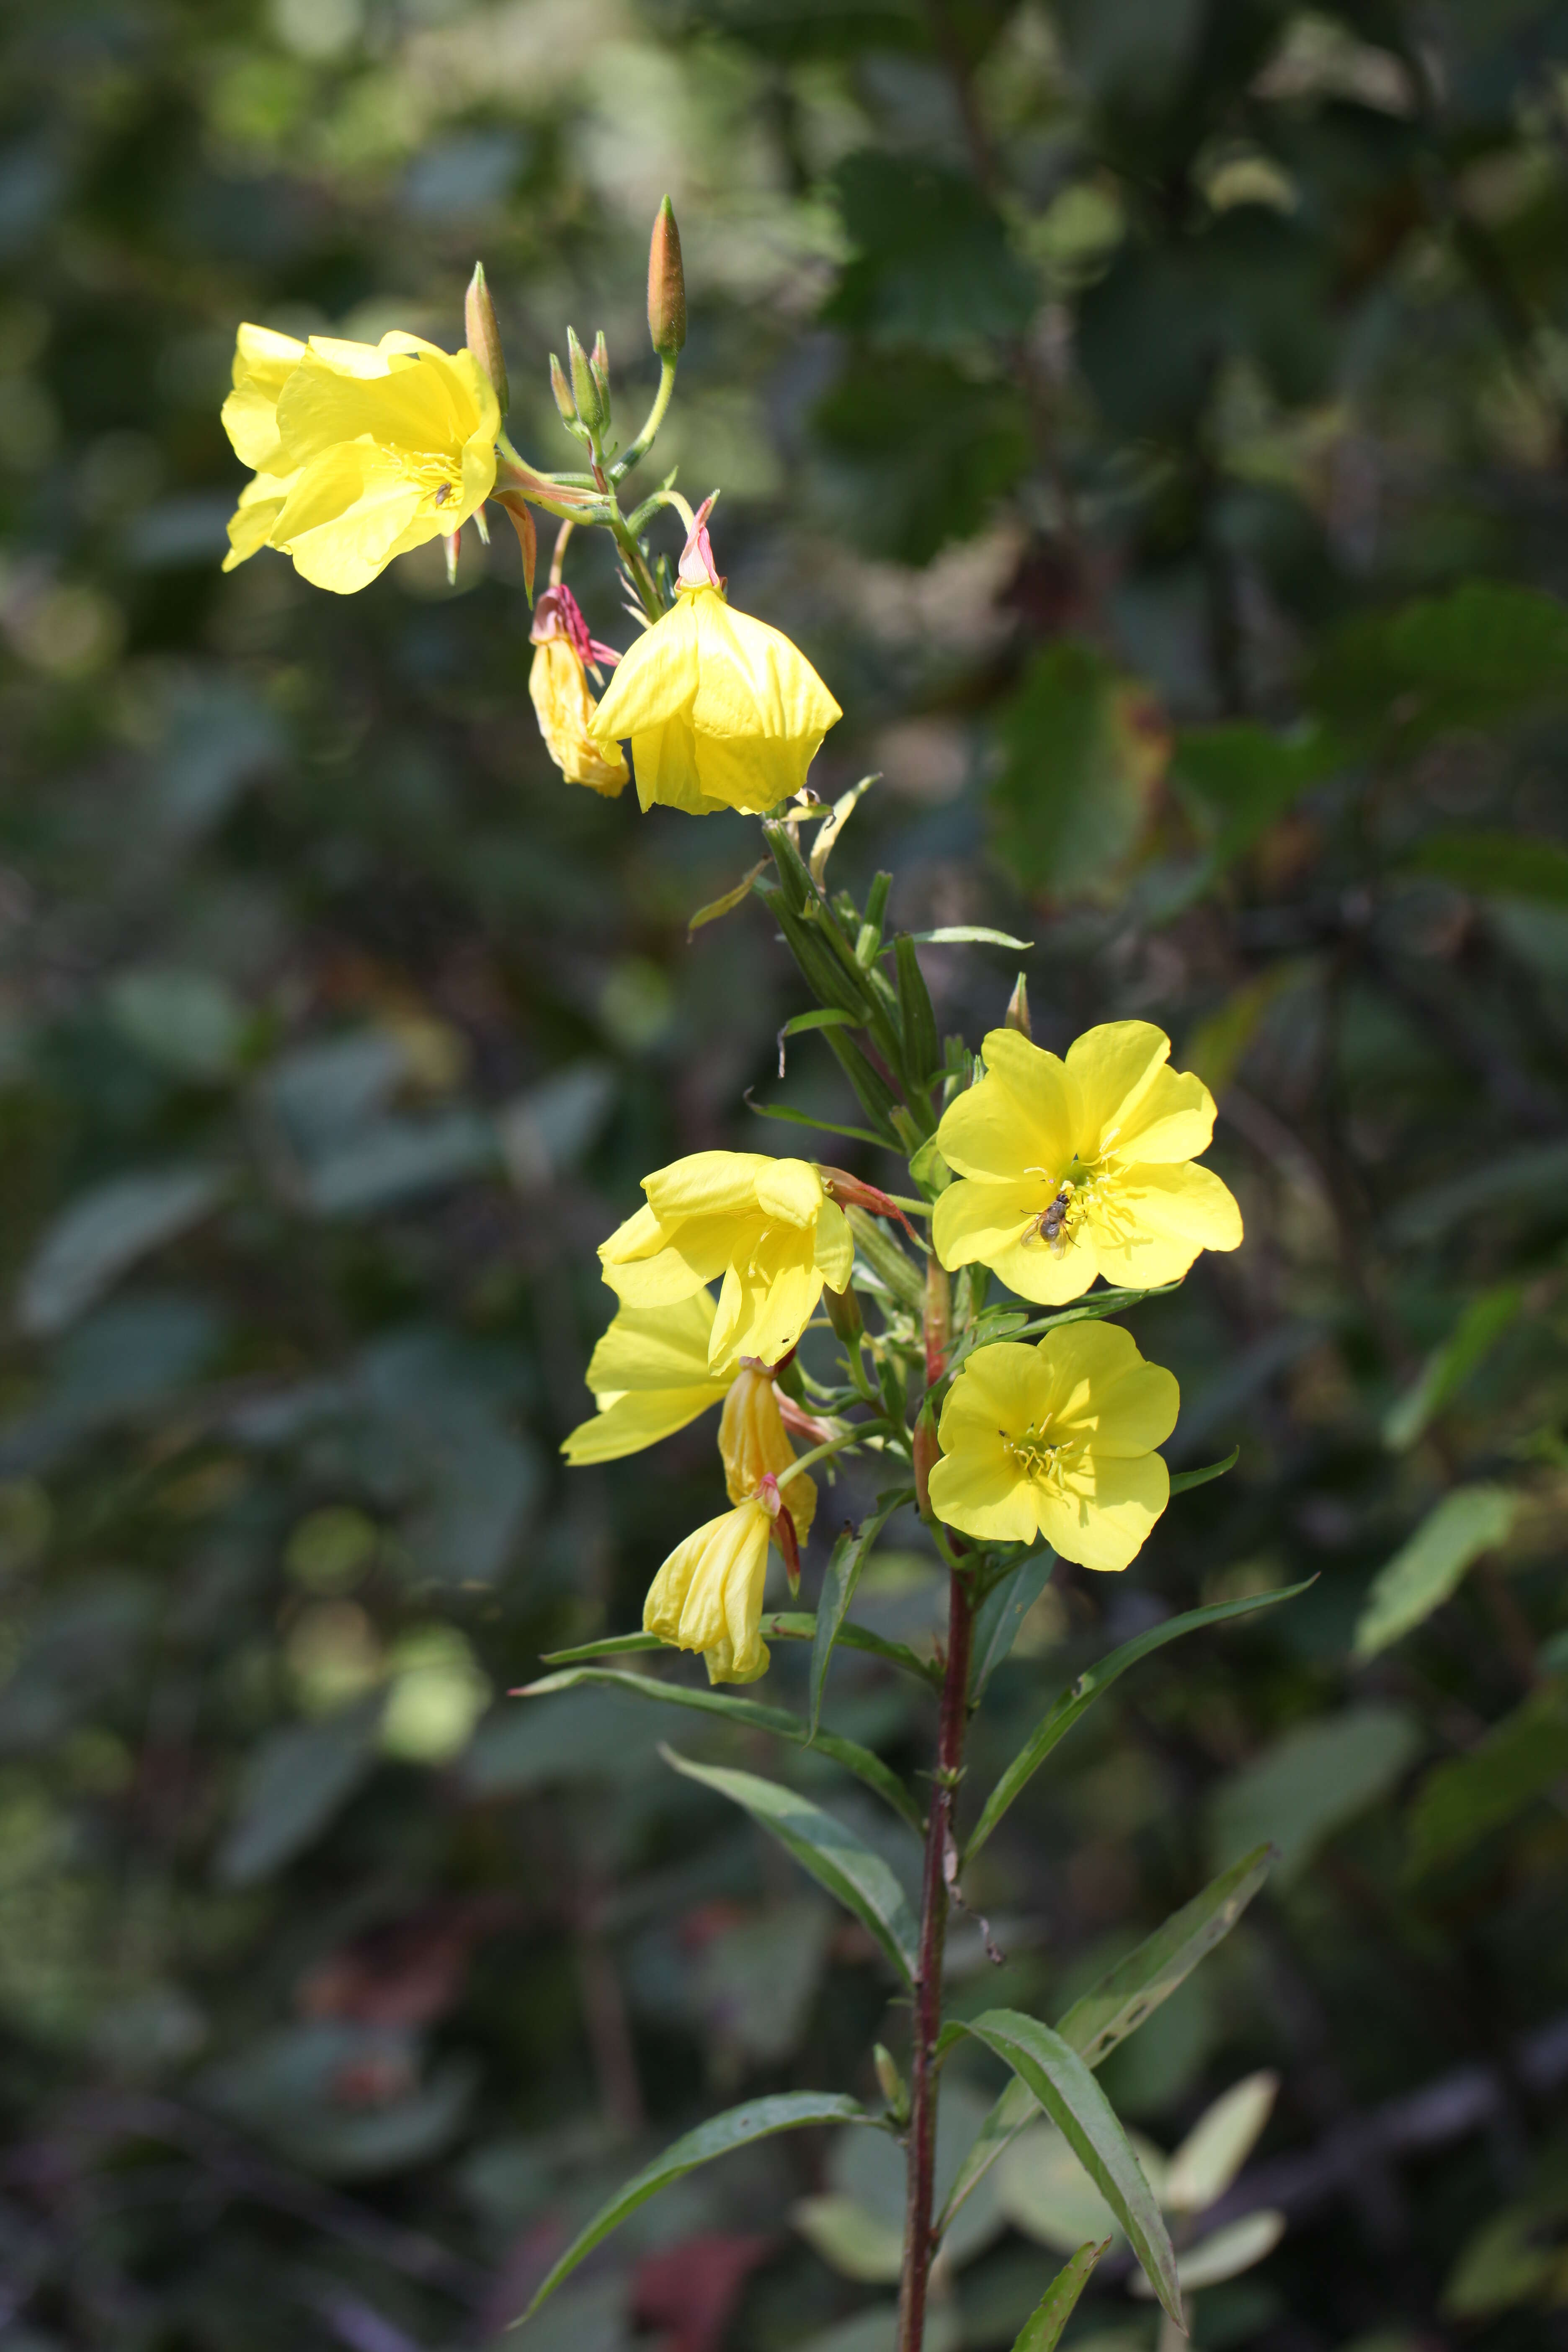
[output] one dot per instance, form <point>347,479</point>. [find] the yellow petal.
<point>252,522</point>
<point>655,679</point>
<point>661,1349</point>
<point>752,774</point>
<point>1148,1224</point>
<point>834,1246</point>
<point>1172,1120</point>
<point>668,774</point>
<point>1002,1388</point>
<point>990,1225</point>
<point>709,1184</point>
<point>263,362</point>
<point>789,1191</point>
<point>708,1595</point>
<point>565,707</point>
<point>1022,1115</point>
<point>1104,1518</point>
<point>344,515</point>
<point>751,680</point>
<point>1112,1067</point>
<point>979,1492</point>
<point>753,1443</point>
<point>1102,1395</point>
<point>640,1417</point>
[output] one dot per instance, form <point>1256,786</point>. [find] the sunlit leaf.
<point>1467,1522</point>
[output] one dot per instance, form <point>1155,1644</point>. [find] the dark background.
<point>1150,415</point>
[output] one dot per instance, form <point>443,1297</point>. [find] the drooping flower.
<point>377,449</point>
<point>722,710</point>
<point>766,1227</point>
<point>753,1445</point>
<point>559,685</point>
<point>1083,1167</point>
<point>650,1376</point>
<point>708,1596</point>
<point>1058,1442</point>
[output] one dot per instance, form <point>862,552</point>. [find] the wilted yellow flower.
<point>722,711</point>
<point>650,1376</point>
<point>558,685</point>
<point>1057,1442</point>
<point>766,1226</point>
<point>753,1443</point>
<point>1083,1167</point>
<point>375,449</point>
<point>708,1596</point>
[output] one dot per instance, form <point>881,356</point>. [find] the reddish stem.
<point>918,2241</point>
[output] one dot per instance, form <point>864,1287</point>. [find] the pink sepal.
<point>784,1527</point>
<point>559,614</point>
<point>697,568</point>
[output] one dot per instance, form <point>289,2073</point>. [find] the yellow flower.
<point>765,1226</point>
<point>649,1375</point>
<point>559,685</point>
<point>708,1596</point>
<point>752,1443</point>
<point>375,449</point>
<point>722,710</point>
<point>1083,1167</point>
<point>1057,1442</point>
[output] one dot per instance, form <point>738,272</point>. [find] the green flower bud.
<point>666,286</point>
<point>562,391</point>
<point>844,1314</point>
<point>599,367</point>
<point>484,333</point>
<point>585,391</point>
<point>1017,1014</point>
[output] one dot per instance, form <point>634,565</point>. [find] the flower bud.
<point>1017,1014</point>
<point>844,1314</point>
<point>927,1454</point>
<point>585,391</point>
<point>484,334</point>
<point>894,2088</point>
<point>853,1192</point>
<point>562,391</point>
<point>784,1528</point>
<point>938,1318</point>
<point>599,367</point>
<point>666,286</point>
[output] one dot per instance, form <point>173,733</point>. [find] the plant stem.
<point>922,2147</point>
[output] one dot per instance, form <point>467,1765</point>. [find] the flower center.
<point>1058,1223</point>
<point>438,480</point>
<point>1032,1454</point>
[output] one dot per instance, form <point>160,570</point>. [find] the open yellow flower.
<point>722,710</point>
<point>562,701</point>
<point>377,449</point>
<point>650,1376</point>
<point>766,1227</point>
<point>1083,1167</point>
<point>708,1596</point>
<point>1057,1442</point>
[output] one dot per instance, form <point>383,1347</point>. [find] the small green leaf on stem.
<point>1184,1480</point>
<point>1042,2330</point>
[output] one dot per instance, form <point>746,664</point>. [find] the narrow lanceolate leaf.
<point>759,2118</point>
<point>1001,1613</point>
<point>921,1052</point>
<point>1042,2330</point>
<point>1063,2085</point>
<point>800,1625</point>
<point>850,1554</point>
<point>614,1645</point>
<point>754,1716</point>
<point>717,908</point>
<point>832,1854</point>
<point>1059,1719</point>
<point>1123,2000</point>
<point>1181,1480</point>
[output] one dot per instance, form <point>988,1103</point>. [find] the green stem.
<point>651,423</point>
<point>856,1436</point>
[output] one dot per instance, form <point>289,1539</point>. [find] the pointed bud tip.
<point>482,330</point>
<point>666,285</point>
<point>1017,1014</point>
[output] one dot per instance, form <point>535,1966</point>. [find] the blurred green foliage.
<point>1151,418</point>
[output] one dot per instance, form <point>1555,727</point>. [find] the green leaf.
<point>800,1625</point>
<point>1123,2000</point>
<point>1182,1481</point>
<point>1536,1172</point>
<point>1462,1800</point>
<point>917,450</point>
<point>930,262</point>
<point>1307,1784</point>
<point>1238,778</point>
<point>873,1093</point>
<point>1447,1370</point>
<point>1498,864</point>
<point>1487,652</point>
<point>1060,1718</point>
<point>1083,751</point>
<point>952,935</point>
<point>1041,2332</point>
<point>1001,1613</point>
<point>754,1716</point>
<point>1061,2083</point>
<point>832,1854</point>
<point>296,1781</point>
<point>922,1053</point>
<point>102,1233</point>
<point>614,1645</point>
<point>828,1017</point>
<point>825,1125</point>
<point>891,1264</point>
<point>850,1554</point>
<point>726,904</point>
<point>758,2120</point>
<point>930,1170</point>
<point>1427,1569</point>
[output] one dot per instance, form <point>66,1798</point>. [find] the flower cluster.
<point>1048,1173</point>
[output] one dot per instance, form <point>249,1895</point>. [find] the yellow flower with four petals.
<point>373,449</point>
<point>1056,1443</point>
<point>1072,1168</point>
<point>766,1227</point>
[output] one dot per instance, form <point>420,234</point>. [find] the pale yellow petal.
<point>752,774</point>
<point>1104,1518</point>
<point>668,1593</point>
<point>1148,1224</point>
<point>564,708</point>
<point>789,1191</point>
<point>1113,1066</point>
<point>995,1225</point>
<point>1103,1396</point>
<point>1001,1388</point>
<point>707,1184</point>
<point>834,1246</point>
<point>1173,1120</point>
<point>638,1418</point>
<point>251,525</point>
<point>662,1348</point>
<point>655,679</point>
<point>664,758</point>
<point>753,681</point>
<point>979,1491</point>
